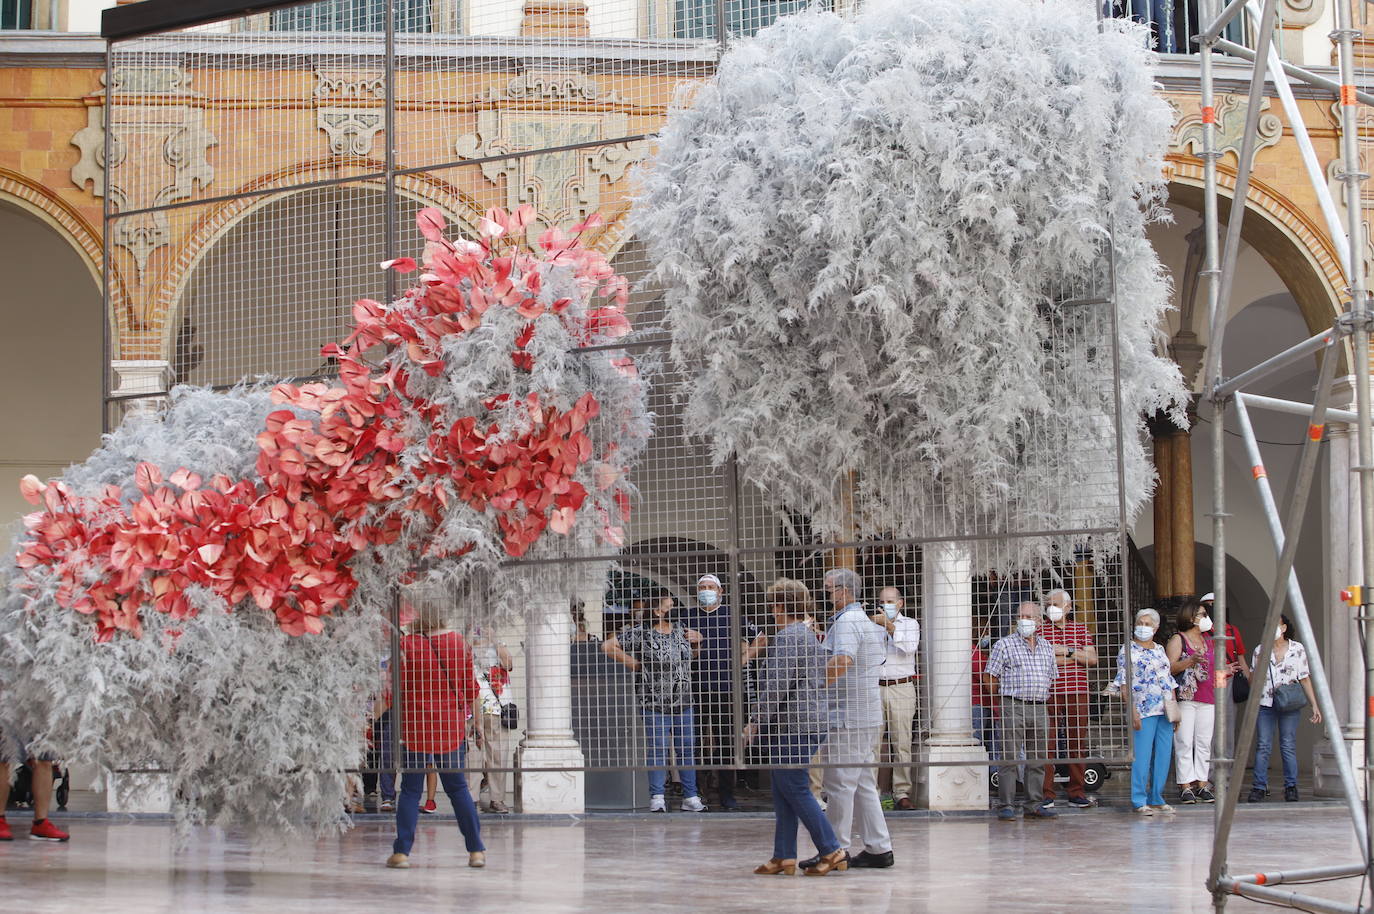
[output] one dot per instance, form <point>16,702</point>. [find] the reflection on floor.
<point>1087,861</point>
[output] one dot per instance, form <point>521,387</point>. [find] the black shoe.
<point>1290,794</point>
<point>810,862</point>
<point>865,860</point>
<point>1256,795</point>
<point>728,803</point>
<point>1206,796</point>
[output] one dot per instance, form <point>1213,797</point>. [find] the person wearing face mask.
<point>1151,685</point>
<point>1021,671</point>
<point>1287,665</point>
<point>1074,652</point>
<point>661,653</point>
<point>1190,661</point>
<point>898,686</point>
<point>713,682</point>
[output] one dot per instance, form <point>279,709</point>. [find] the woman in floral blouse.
<point>1287,665</point>
<point>1151,683</point>
<point>661,653</point>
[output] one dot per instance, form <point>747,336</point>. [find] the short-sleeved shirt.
<point>855,698</point>
<point>1150,677</point>
<point>713,669</point>
<point>1024,671</point>
<point>665,675</point>
<point>437,691</point>
<point>1292,668</point>
<point>1073,676</point>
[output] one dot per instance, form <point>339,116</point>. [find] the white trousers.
<point>852,791</point>
<point>1193,742</point>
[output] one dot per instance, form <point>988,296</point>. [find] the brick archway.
<point>1295,246</point>
<point>74,228</point>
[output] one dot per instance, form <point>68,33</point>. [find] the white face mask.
<point>707,597</point>
<point>1278,633</point>
<point>1025,627</point>
<point>1144,632</point>
<point>1204,624</point>
<point>890,610</point>
<point>1054,613</point>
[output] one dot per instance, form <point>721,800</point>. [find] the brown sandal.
<point>835,860</point>
<point>775,867</point>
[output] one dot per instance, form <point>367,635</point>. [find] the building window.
<point>349,16</point>
<point>697,18</point>
<point>16,14</point>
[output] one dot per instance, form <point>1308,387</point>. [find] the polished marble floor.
<point>1087,861</point>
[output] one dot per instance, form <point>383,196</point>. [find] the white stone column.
<point>549,741</point>
<point>1341,641</point>
<point>947,630</point>
<point>141,377</point>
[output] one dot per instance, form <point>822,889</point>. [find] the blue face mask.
<point>707,597</point>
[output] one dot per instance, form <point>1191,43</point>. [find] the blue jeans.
<point>793,803</point>
<point>1154,747</point>
<point>455,784</point>
<point>680,729</point>
<point>1287,724</point>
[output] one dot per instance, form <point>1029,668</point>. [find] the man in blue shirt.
<point>713,682</point>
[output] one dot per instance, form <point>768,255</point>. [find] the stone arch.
<point>215,225</point>
<point>1295,246</point>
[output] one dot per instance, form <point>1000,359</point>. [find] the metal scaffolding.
<point>1351,327</point>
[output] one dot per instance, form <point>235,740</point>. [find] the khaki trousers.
<point>899,709</point>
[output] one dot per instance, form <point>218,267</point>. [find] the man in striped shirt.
<point>1021,671</point>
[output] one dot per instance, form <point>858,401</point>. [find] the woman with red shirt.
<point>437,690</point>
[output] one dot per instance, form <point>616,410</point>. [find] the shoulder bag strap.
<point>443,666</point>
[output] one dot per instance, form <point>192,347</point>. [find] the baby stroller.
<point>21,792</point>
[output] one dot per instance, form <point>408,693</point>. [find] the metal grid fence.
<point>260,168</point>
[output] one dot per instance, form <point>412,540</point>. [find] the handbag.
<point>1240,688</point>
<point>1171,710</point>
<point>1289,696</point>
<point>510,716</point>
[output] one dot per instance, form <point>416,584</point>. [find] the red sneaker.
<point>46,831</point>
<point>429,807</point>
<point>5,833</point>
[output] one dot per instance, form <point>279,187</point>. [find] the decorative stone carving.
<point>564,187</point>
<point>1230,128</point>
<point>179,133</point>
<point>351,131</point>
<point>1299,14</point>
<point>351,123</point>
<point>348,84</point>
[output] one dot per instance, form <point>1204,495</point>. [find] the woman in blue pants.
<point>790,720</point>
<point>1151,685</point>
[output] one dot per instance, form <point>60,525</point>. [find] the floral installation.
<point>465,430</point>
<point>870,230</point>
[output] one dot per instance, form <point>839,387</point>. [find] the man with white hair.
<point>713,681</point>
<point>1074,652</point>
<point>857,651</point>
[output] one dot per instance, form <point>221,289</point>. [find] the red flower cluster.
<point>330,479</point>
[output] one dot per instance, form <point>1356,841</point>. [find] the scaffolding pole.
<point>1219,391</point>
<point>1321,687</point>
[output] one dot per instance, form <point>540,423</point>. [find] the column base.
<point>951,787</point>
<point>1326,777</point>
<point>539,791</point>
<point>138,793</point>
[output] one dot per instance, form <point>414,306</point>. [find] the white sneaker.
<point>1163,807</point>
<point>656,803</point>
<point>1144,811</point>
<point>693,804</point>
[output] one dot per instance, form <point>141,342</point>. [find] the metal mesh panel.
<point>259,171</point>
